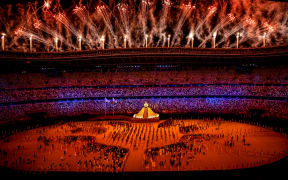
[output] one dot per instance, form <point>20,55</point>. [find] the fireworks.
<point>191,38</point>
<point>146,40</point>
<point>237,39</point>
<point>145,2</point>
<point>56,44</point>
<point>123,11</point>
<point>191,35</point>
<point>31,38</point>
<point>3,41</point>
<point>264,39</point>
<point>37,24</point>
<point>105,13</point>
<point>131,25</point>
<point>47,4</point>
<point>214,34</point>
<point>80,42</point>
<point>212,10</point>
<point>238,35</point>
<point>64,20</point>
<point>214,39</point>
<point>169,36</point>
<point>18,32</point>
<point>102,40</point>
<point>186,12</point>
<point>125,41</point>
<point>250,21</point>
<point>268,27</point>
<point>77,9</point>
<point>167,3</point>
<point>231,17</point>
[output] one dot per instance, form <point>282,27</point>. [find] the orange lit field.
<point>121,146</point>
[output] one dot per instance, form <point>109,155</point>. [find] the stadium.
<point>121,89</point>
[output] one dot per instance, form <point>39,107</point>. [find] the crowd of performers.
<point>62,151</point>
<point>105,146</point>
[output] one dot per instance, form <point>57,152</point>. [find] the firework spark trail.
<point>285,19</point>
<point>250,27</point>
<point>226,35</point>
<point>280,23</point>
<point>243,39</point>
<point>262,12</point>
<point>143,15</point>
<point>234,29</point>
<point>163,22</point>
<point>162,38</point>
<point>44,27</point>
<point>26,33</point>
<point>246,37</point>
<point>281,26</point>
<point>249,33</point>
<point>187,9</point>
<point>212,10</point>
<point>82,13</point>
<point>103,11</point>
<point>124,13</point>
<point>64,20</point>
<point>230,18</point>
<point>154,26</point>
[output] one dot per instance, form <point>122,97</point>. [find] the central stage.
<point>145,115</point>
